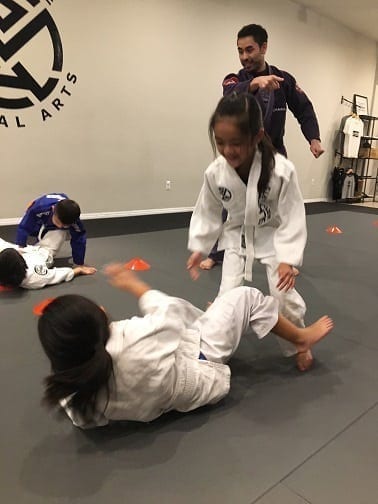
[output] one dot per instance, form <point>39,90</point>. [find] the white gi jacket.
<point>39,261</point>
<point>275,225</point>
<point>156,365</point>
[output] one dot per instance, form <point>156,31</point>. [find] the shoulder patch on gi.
<point>41,269</point>
<point>230,81</point>
<point>225,193</point>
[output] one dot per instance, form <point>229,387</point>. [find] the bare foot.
<point>314,333</point>
<point>304,360</point>
<point>295,271</point>
<point>207,264</point>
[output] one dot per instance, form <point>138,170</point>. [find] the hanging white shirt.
<point>353,131</point>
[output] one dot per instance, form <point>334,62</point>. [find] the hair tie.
<point>40,308</point>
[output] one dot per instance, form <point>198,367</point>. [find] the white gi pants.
<point>291,303</point>
<point>53,240</point>
<point>230,316</point>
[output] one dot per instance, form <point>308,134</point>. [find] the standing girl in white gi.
<point>172,358</point>
<point>266,216</point>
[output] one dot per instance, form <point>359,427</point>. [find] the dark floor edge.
<point>159,222</point>
<point>325,207</point>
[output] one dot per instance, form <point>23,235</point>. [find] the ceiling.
<point>361,16</point>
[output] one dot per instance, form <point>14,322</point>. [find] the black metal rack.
<point>365,166</point>
<point>368,158</point>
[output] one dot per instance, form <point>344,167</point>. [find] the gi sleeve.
<point>291,235</point>
<point>42,276</point>
<point>206,222</point>
<point>301,107</point>
<point>27,225</point>
<point>163,324</point>
<point>98,420</point>
<point>4,245</point>
<point>78,242</point>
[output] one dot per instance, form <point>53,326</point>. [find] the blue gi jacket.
<point>39,213</point>
<point>274,104</point>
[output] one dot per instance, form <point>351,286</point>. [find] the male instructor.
<point>275,90</point>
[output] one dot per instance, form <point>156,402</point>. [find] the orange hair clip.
<point>41,307</point>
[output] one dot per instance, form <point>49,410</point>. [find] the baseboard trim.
<point>111,215</point>
<point>142,221</point>
<point>136,213</point>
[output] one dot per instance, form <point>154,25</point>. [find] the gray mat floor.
<point>280,437</point>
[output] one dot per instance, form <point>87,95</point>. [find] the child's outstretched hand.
<point>286,277</point>
<point>124,279</point>
<point>193,263</point>
<point>84,270</point>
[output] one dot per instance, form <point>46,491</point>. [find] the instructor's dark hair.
<point>12,268</point>
<point>67,211</point>
<point>258,33</point>
<point>247,114</point>
<point>73,331</point>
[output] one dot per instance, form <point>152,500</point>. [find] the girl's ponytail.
<point>73,331</point>
<point>267,164</point>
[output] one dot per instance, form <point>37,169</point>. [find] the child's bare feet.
<point>304,360</point>
<point>207,264</point>
<point>311,335</point>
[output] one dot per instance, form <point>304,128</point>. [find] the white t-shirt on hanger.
<point>353,131</point>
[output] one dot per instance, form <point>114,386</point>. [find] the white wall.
<point>149,74</point>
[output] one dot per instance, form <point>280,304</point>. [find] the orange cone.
<point>334,230</point>
<point>5,289</point>
<point>137,264</point>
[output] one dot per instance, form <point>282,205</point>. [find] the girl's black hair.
<point>73,331</point>
<point>247,114</point>
<point>12,268</point>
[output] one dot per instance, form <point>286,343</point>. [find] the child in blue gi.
<point>50,219</point>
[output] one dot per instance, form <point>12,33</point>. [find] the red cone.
<point>5,289</point>
<point>137,264</point>
<point>334,230</point>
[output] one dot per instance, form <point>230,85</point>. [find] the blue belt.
<point>201,356</point>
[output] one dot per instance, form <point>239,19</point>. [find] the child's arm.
<point>43,276</point>
<point>78,242</point>
<point>291,235</point>
<point>127,280</point>
<point>26,226</point>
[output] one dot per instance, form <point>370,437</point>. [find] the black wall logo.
<point>29,34</point>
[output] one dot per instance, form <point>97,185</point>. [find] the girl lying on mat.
<point>172,358</point>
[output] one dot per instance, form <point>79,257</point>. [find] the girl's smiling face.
<point>236,148</point>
